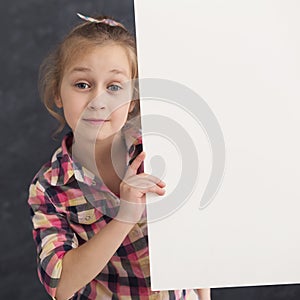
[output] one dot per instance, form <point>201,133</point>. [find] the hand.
<point>204,294</point>
<point>133,191</point>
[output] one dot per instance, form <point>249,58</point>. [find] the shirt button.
<point>94,183</point>
<point>87,218</point>
<point>135,232</point>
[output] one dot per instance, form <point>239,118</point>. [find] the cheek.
<point>120,115</point>
<point>73,112</point>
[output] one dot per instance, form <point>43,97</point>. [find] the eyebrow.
<point>80,69</point>
<point>118,71</point>
<point>85,69</point>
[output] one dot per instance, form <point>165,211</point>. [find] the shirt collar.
<point>64,169</point>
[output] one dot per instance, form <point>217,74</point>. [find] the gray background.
<point>29,29</point>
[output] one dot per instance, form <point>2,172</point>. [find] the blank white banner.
<point>221,127</point>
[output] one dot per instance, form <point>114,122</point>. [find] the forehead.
<point>110,55</point>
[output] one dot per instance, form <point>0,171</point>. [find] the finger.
<point>132,169</point>
<point>157,190</point>
<point>143,181</point>
<point>152,178</point>
<point>161,183</point>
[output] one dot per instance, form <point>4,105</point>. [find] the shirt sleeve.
<point>53,237</point>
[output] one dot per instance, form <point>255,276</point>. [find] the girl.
<point>88,210</point>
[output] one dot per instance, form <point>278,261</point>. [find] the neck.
<point>103,149</point>
<point>110,156</point>
<point>105,158</point>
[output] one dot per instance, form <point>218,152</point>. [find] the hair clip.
<point>109,22</point>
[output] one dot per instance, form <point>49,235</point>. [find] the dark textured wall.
<point>28,30</point>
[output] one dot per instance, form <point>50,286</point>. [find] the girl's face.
<point>95,91</point>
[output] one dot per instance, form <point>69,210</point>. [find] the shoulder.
<point>56,172</point>
<point>45,175</point>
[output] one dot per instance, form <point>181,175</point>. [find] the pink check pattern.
<point>68,207</point>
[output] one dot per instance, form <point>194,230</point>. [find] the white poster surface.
<point>221,127</point>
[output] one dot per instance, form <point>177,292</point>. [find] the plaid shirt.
<point>69,205</point>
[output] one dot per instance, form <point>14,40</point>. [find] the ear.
<point>58,102</point>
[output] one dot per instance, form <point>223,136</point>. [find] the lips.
<point>94,121</point>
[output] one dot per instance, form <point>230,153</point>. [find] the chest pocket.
<point>86,215</point>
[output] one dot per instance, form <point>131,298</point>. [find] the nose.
<point>97,103</point>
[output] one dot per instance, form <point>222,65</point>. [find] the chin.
<point>105,136</point>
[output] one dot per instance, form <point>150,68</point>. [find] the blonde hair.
<point>81,38</point>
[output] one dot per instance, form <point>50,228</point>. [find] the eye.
<point>82,85</point>
<point>114,88</point>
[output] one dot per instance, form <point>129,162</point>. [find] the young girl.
<point>88,209</point>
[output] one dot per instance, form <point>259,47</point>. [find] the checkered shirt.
<point>69,205</point>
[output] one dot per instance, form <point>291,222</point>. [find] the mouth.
<point>95,121</point>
